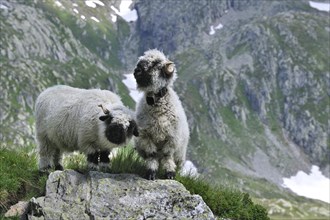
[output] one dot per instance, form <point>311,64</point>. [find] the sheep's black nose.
<point>115,133</point>
<point>137,72</point>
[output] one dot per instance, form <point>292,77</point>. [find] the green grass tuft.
<point>20,178</point>
<point>127,160</point>
<point>223,201</point>
<point>75,161</point>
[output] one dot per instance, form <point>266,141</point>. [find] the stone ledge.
<point>96,195</point>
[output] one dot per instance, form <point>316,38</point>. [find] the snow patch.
<point>59,4</point>
<point>219,26</point>
<point>125,12</point>
<point>313,185</point>
<point>76,11</point>
<point>213,29</point>
<point>130,83</point>
<point>95,19</point>
<point>90,4</point>
<point>189,169</point>
<point>320,6</point>
<point>98,2</point>
<point>113,17</point>
<point>93,3</point>
<point>3,7</point>
<point>83,17</point>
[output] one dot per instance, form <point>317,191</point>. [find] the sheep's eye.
<point>156,64</point>
<point>144,68</point>
<point>143,65</point>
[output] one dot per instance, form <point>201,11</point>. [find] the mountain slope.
<point>258,86</point>
<point>43,45</point>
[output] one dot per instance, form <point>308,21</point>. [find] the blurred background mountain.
<point>253,76</point>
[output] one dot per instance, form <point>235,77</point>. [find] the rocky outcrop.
<point>96,195</point>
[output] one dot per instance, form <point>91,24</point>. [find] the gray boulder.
<point>96,195</point>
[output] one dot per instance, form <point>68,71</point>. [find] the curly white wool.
<point>163,127</point>
<point>67,119</point>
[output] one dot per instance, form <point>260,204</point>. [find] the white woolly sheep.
<point>162,122</point>
<point>91,121</point>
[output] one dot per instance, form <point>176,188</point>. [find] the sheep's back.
<point>69,116</point>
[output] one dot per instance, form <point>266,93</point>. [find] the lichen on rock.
<point>96,195</point>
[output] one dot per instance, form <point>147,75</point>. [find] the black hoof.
<point>58,167</point>
<point>43,172</point>
<point>151,175</point>
<point>170,175</point>
<point>103,167</point>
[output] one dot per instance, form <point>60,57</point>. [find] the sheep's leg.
<point>45,154</point>
<point>93,160</point>
<point>44,162</point>
<point>152,166</point>
<point>104,160</point>
<point>148,150</point>
<point>57,160</point>
<point>167,160</point>
<point>180,155</point>
<point>151,163</point>
<point>169,166</point>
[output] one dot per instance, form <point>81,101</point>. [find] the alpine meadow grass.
<point>20,180</point>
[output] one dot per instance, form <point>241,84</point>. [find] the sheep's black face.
<point>154,71</point>
<point>143,74</point>
<point>116,133</point>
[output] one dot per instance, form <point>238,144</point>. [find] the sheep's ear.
<point>133,125</point>
<point>169,69</point>
<point>105,110</point>
<point>105,117</point>
<point>136,132</point>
